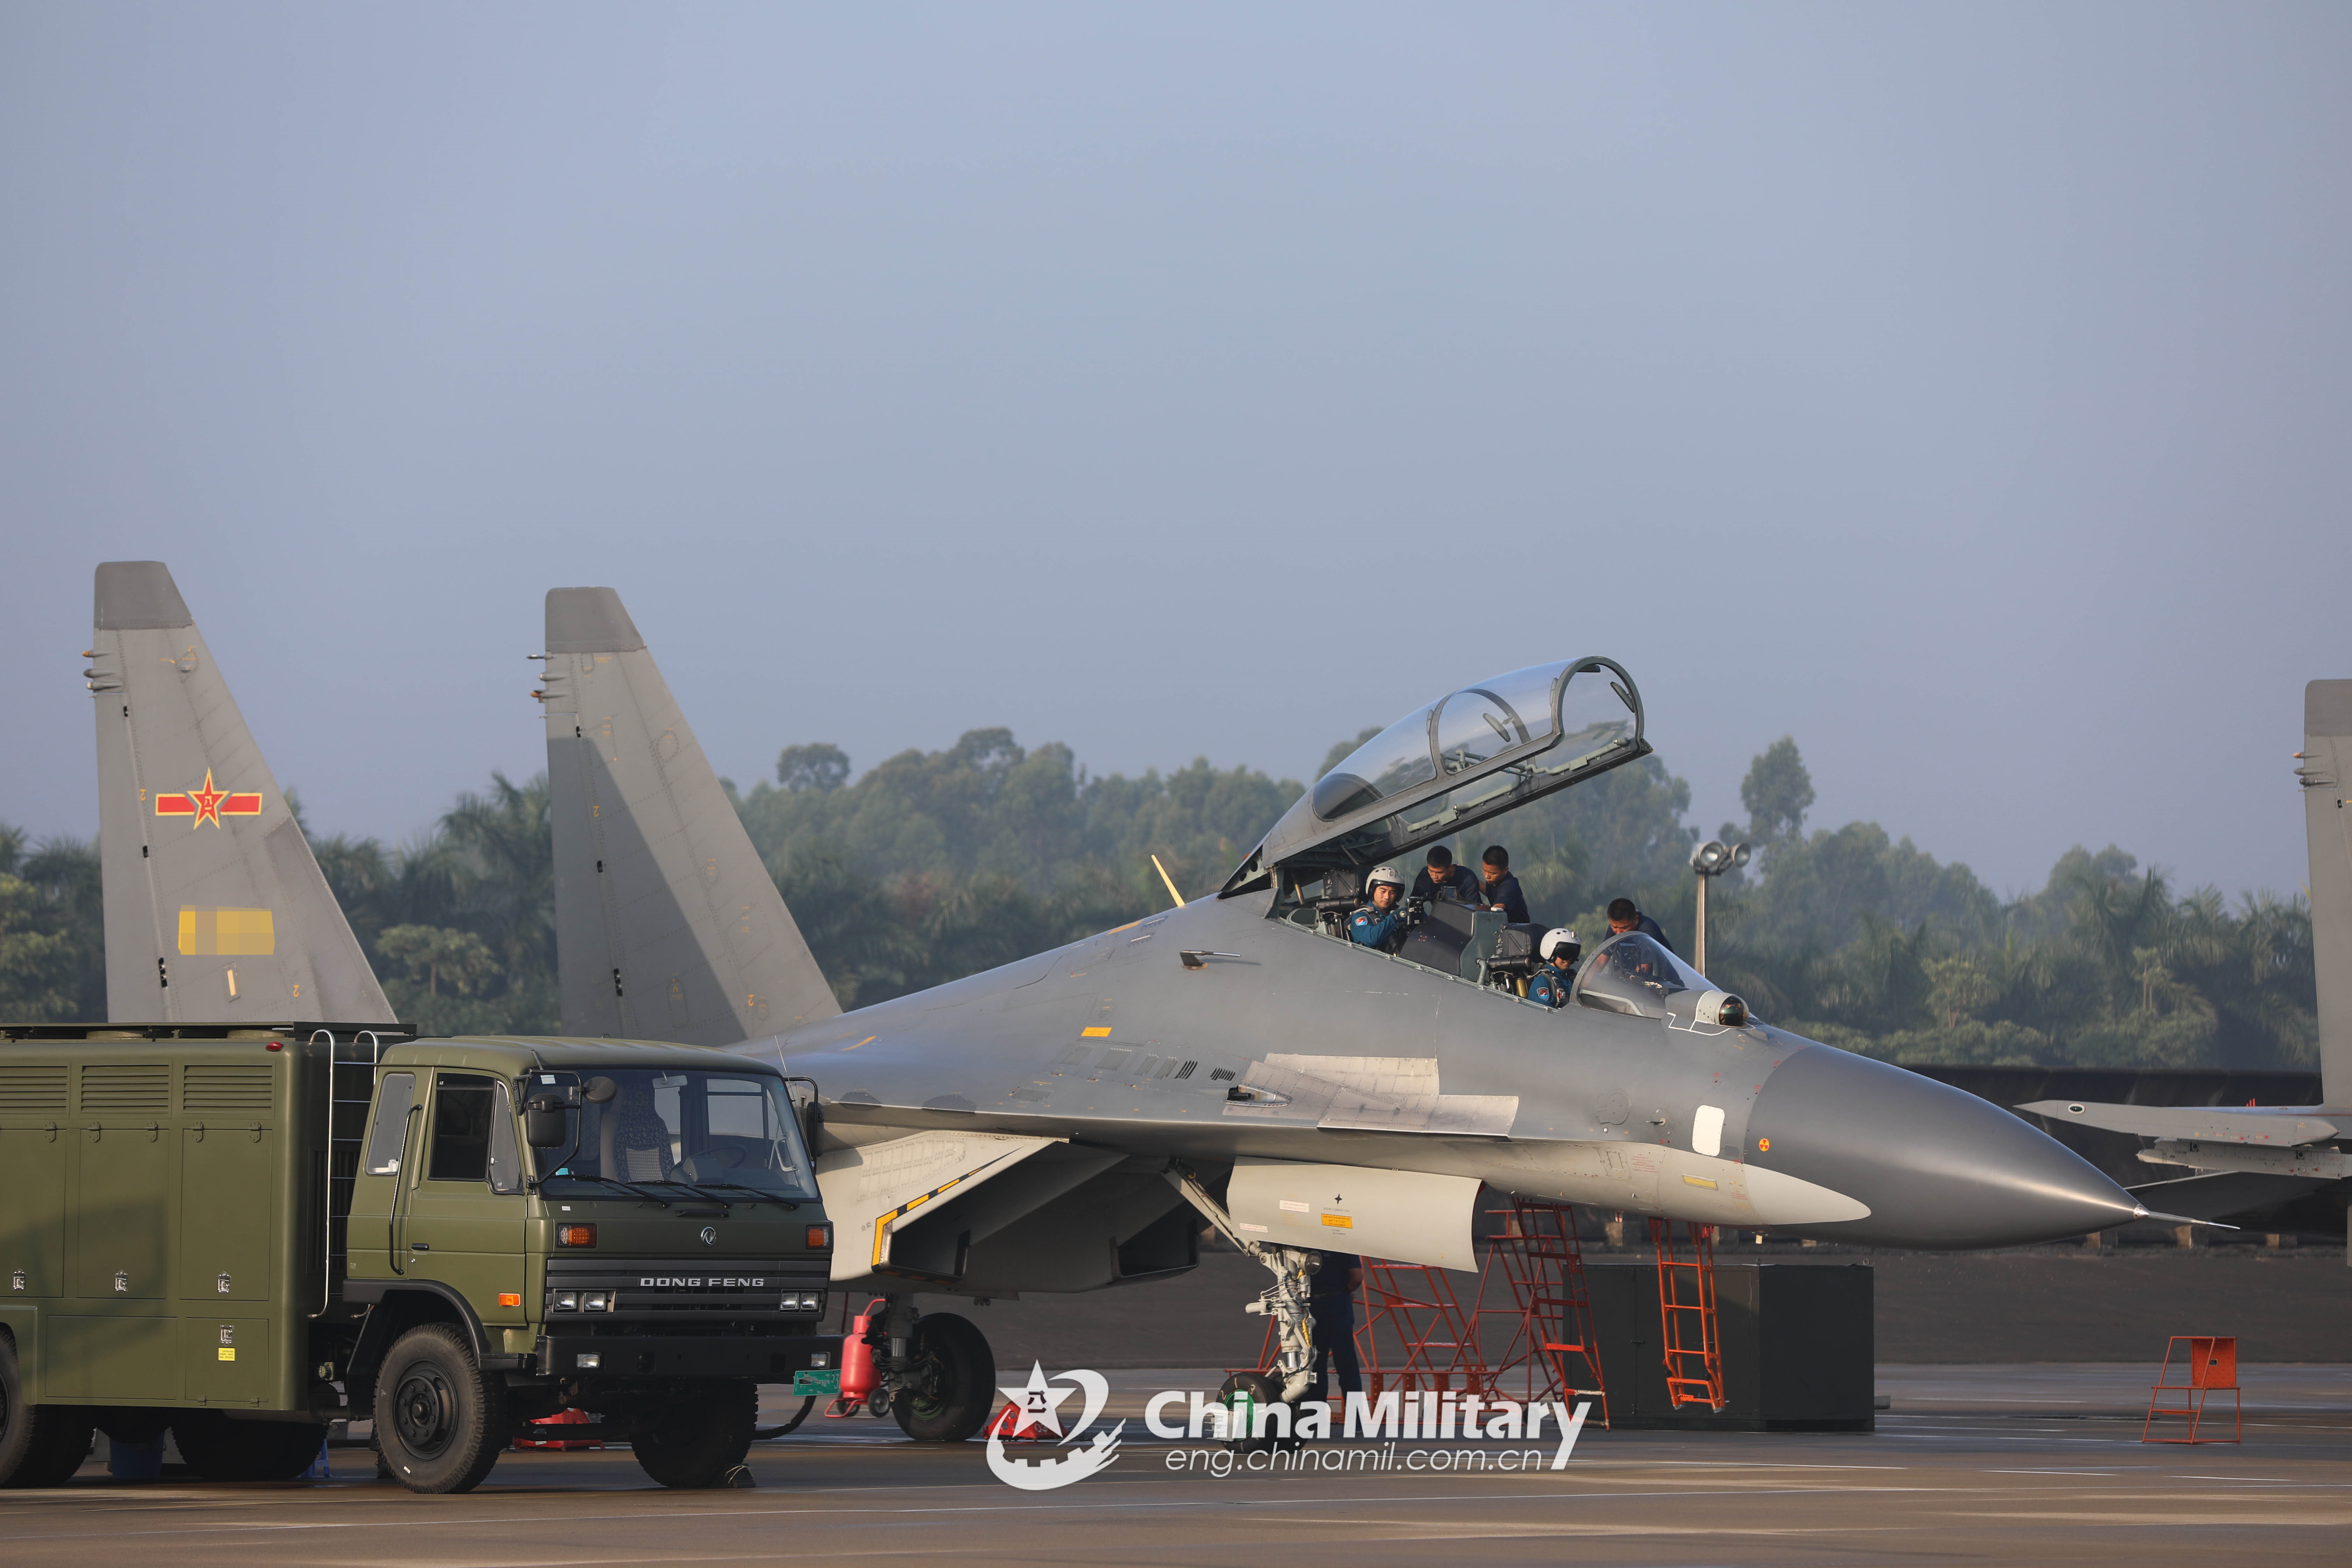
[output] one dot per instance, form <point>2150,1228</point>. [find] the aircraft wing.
<point>214,905</point>
<point>2279,1126</point>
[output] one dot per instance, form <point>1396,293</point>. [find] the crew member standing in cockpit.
<point>1442,879</point>
<point>1501,889</point>
<point>1380,923</point>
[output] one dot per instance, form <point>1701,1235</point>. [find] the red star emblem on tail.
<point>209,805</point>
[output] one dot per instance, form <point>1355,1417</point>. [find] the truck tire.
<point>40,1445</point>
<point>695,1442</point>
<point>440,1422</point>
<point>954,1380</point>
<point>220,1449</point>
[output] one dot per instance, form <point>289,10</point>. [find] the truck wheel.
<point>953,1374</point>
<point>40,1445</point>
<point>441,1423</point>
<point>695,1441</point>
<point>220,1449</point>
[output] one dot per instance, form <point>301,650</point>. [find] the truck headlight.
<point>597,1302</point>
<point>588,1360</point>
<point>567,1301</point>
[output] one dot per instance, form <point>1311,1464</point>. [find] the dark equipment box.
<point>1797,1348</point>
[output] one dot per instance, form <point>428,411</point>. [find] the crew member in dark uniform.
<point>1382,922</point>
<point>1623,917</point>
<point>1501,890</point>
<point>1553,978</point>
<point>1331,1302</point>
<point>1442,879</point>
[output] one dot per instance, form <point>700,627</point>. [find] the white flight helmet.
<point>1559,939</point>
<point>1384,874</point>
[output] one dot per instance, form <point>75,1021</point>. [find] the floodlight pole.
<point>1699,958</point>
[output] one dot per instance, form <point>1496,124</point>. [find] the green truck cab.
<point>242,1234</point>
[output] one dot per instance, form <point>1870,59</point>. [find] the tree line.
<point>933,865</point>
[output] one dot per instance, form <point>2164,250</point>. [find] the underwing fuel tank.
<point>1938,1167</point>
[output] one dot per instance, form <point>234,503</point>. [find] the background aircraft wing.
<point>667,926</point>
<point>215,906</point>
<point>2278,1126</point>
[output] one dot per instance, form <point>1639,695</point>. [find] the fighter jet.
<point>215,907</point>
<point>2255,1157</point>
<point>1042,1127</point>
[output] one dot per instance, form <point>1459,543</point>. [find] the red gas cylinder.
<point>859,1377</point>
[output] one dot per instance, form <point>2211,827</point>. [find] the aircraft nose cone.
<point>1937,1166</point>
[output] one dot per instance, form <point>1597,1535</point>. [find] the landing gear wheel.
<point>40,1445</point>
<point>952,1381</point>
<point>220,1449</point>
<point>698,1440</point>
<point>1261,1390</point>
<point>439,1421</point>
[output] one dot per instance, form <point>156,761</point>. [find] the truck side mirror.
<point>542,1120</point>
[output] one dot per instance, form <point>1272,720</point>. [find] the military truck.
<point>241,1234</point>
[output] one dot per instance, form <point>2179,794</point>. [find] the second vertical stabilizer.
<point>667,926</point>
<point>2328,830</point>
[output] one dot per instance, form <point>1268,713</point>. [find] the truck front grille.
<point>682,1290</point>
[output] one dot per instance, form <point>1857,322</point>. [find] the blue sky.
<point>1959,389</point>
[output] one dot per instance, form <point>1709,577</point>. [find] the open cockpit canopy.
<point>1466,757</point>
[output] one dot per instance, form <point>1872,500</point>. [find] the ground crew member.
<point>1623,917</point>
<point>1380,923</point>
<point>1550,983</point>
<point>1501,890</point>
<point>1331,1304</point>
<point>1442,879</point>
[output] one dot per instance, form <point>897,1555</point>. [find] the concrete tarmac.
<point>1971,1463</point>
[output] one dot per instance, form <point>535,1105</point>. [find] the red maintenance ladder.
<point>1689,1330</point>
<point>1551,1350</point>
<point>1412,1334</point>
<point>1412,1314</point>
<point>2211,1363</point>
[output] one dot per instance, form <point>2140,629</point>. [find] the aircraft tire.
<point>956,1377</point>
<point>1263,1390</point>
<point>220,1449</point>
<point>40,1445</point>
<point>698,1440</point>
<point>440,1422</point>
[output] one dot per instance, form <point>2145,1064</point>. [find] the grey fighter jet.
<point>2254,1156</point>
<point>1042,1127</point>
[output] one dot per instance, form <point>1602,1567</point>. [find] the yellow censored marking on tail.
<point>226,934</point>
<point>1094,1031</point>
<point>1339,1222</point>
<point>1698,1182</point>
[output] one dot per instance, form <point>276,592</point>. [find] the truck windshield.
<point>727,1132</point>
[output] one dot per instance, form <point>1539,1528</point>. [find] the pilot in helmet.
<point>1553,977</point>
<point>1382,922</point>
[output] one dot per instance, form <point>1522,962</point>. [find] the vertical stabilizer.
<point>2327,827</point>
<point>668,927</point>
<point>215,908</point>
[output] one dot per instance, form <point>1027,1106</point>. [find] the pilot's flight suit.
<point>1549,984</point>
<point>1369,927</point>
